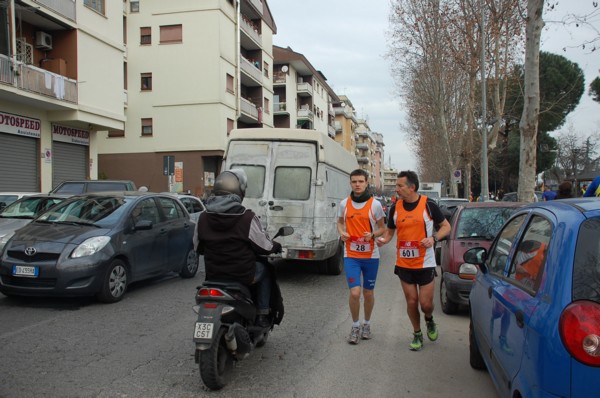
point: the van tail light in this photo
(579, 328)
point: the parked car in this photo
(384, 205)
(474, 224)
(535, 305)
(512, 197)
(87, 186)
(192, 204)
(22, 211)
(97, 244)
(7, 198)
(448, 205)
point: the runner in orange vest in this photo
(360, 221)
(414, 217)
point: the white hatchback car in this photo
(7, 198)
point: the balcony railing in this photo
(280, 107)
(66, 8)
(248, 108)
(258, 4)
(251, 69)
(279, 78)
(304, 88)
(362, 159)
(251, 31)
(331, 130)
(305, 114)
(36, 80)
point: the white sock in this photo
(365, 322)
(356, 324)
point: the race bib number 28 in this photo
(360, 246)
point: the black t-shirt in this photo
(432, 208)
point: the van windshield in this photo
(256, 179)
(292, 183)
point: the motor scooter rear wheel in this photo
(216, 363)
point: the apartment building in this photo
(194, 71)
(61, 82)
(366, 150)
(389, 181)
(378, 161)
(345, 123)
(302, 98)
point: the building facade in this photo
(194, 71)
(55, 94)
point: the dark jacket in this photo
(230, 236)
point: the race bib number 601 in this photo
(408, 249)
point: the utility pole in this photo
(485, 194)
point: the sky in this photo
(346, 40)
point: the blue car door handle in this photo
(520, 315)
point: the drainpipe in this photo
(238, 76)
(12, 39)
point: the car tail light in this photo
(205, 292)
(306, 254)
(579, 327)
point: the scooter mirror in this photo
(284, 231)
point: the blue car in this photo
(535, 304)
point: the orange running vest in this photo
(411, 228)
(358, 221)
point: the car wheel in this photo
(475, 358)
(115, 282)
(190, 267)
(448, 306)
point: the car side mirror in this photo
(143, 225)
(477, 256)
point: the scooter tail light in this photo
(209, 305)
(579, 328)
(207, 292)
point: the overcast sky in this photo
(346, 41)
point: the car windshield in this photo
(101, 211)
(482, 222)
(28, 207)
(586, 269)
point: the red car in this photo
(473, 225)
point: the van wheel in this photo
(334, 265)
(448, 306)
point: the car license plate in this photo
(22, 270)
(203, 330)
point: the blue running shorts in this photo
(355, 266)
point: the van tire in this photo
(334, 265)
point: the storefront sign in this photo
(20, 125)
(70, 134)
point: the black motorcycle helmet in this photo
(232, 181)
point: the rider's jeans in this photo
(262, 279)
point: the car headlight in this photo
(4, 240)
(90, 246)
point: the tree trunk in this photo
(529, 119)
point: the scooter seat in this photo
(229, 285)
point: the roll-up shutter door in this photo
(19, 171)
(69, 162)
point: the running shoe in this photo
(354, 335)
(365, 333)
(417, 342)
(432, 331)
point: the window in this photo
(116, 133)
(267, 105)
(229, 83)
(586, 268)
(96, 5)
(146, 81)
(171, 209)
(134, 6)
(230, 126)
(256, 179)
(145, 35)
(266, 69)
(498, 256)
(146, 126)
(530, 257)
(171, 34)
(292, 183)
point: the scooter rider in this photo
(230, 237)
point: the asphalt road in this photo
(142, 346)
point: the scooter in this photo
(226, 330)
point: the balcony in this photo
(65, 8)
(280, 108)
(251, 70)
(362, 159)
(252, 32)
(331, 131)
(258, 5)
(305, 114)
(338, 126)
(362, 146)
(279, 78)
(304, 89)
(249, 111)
(36, 80)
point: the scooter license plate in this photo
(203, 330)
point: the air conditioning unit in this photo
(43, 40)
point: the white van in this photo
(298, 178)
